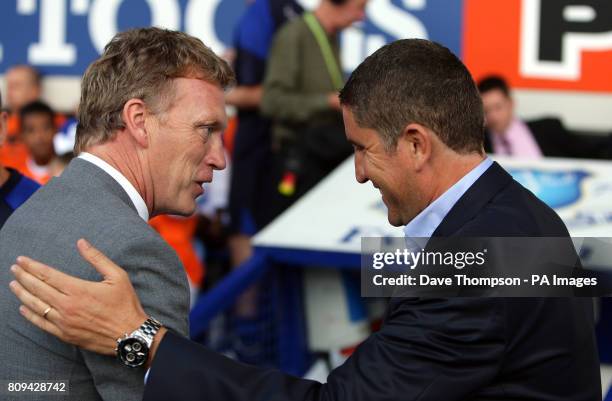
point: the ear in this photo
(418, 143)
(3, 122)
(134, 114)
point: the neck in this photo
(119, 154)
(450, 168)
(505, 130)
(325, 16)
(4, 176)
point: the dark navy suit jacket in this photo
(430, 349)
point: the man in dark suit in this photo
(414, 117)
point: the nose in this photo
(216, 156)
(360, 174)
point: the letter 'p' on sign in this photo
(555, 33)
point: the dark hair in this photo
(37, 107)
(493, 82)
(417, 81)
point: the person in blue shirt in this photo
(252, 40)
(250, 185)
(15, 189)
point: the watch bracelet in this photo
(149, 328)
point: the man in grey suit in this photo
(149, 134)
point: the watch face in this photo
(133, 352)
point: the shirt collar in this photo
(426, 222)
(135, 197)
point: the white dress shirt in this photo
(127, 186)
(426, 222)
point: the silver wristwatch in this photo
(133, 349)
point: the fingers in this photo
(106, 347)
(37, 287)
(55, 278)
(40, 321)
(31, 302)
(97, 259)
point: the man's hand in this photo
(89, 314)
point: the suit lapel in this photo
(490, 183)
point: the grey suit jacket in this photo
(85, 202)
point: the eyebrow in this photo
(215, 124)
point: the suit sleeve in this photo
(282, 98)
(159, 281)
(426, 350)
